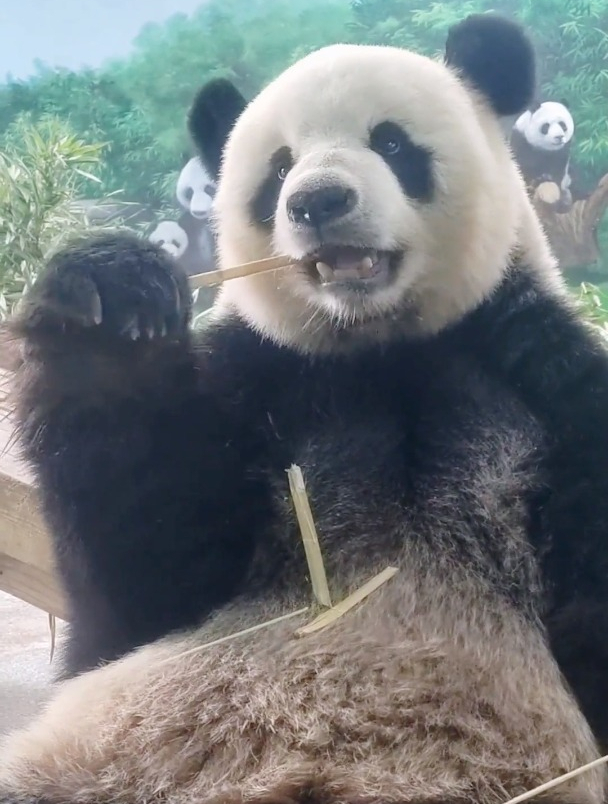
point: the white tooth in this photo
(325, 271)
(366, 263)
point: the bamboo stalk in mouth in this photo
(211, 278)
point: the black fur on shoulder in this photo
(213, 113)
(497, 58)
(538, 346)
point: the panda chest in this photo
(387, 464)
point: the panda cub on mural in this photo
(541, 139)
(420, 363)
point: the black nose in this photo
(317, 207)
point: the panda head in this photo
(548, 127)
(384, 174)
(195, 189)
(170, 236)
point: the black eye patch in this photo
(411, 164)
(264, 203)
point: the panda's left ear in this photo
(497, 58)
(213, 113)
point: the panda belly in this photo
(438, 688)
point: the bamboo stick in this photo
(309, 536)
(558, 780)
(211, 278)
(335, 612)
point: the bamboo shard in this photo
(309, 536)
(211, 278)
(335, 612)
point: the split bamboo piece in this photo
(309, 536)
(211, 278)
(335, 612)
(316, 568)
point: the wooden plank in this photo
(26, 554)
(23, 535)
(33, 585)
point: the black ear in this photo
(497, 58)
(213, 113)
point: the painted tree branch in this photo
(573, 234)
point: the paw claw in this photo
(97, 312)
(131, 329)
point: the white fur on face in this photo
(550, 127)
(171, 237)
(456, 248)
(195, 189)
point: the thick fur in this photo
(214, 111)
(440, 688)
(535, 342)
(491, 53)
(417, 412)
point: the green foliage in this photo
(594, 302)
(138, 105)
(42, 171)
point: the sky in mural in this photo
(75, 33)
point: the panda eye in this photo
(189, 193)
(386, 140)
(563, 125)
(544, 128)
(411, 164)
(282, 172)
(390, 147)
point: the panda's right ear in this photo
(213, 113)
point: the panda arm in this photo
(534, 341)
(140, 462)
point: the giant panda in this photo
(377, 364)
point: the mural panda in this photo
(195, 192)
(384, 362)
(541, 139)
(190, 240)
(170, 236)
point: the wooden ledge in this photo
(26, 555)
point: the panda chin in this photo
(353, 268)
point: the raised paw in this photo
(115, 283)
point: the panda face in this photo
(549, 128)
(385, 178)
(171, 237)
(195, 189)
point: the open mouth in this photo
(349, 265)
